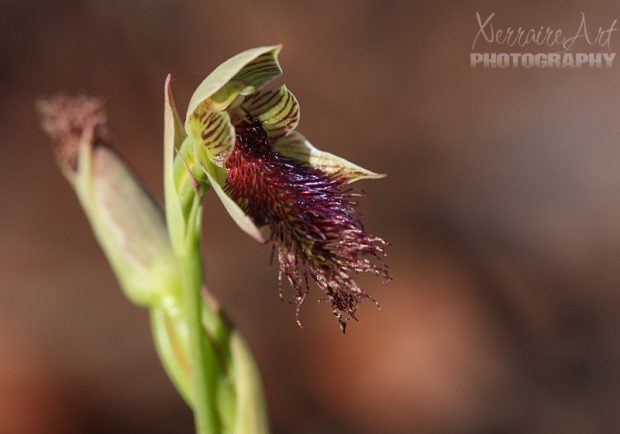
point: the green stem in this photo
(201, 355)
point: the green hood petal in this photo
(242, 74)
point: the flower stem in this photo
(201, 355)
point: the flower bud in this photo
(127, 222)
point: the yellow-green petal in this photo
(296, 146)
(277, 110)
(242, 74)
(214, 134)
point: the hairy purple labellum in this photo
(313, 217)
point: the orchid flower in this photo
(241, 138)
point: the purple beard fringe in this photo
(315, 225)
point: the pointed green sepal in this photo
(297, 147)
(174, 135)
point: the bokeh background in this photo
(502, 204)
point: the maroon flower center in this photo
(313, 218)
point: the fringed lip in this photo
(312, 217)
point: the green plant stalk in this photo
(201, 356)
(183, 200)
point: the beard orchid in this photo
(241, 137)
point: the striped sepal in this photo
(251, 77)
(259, 72)
(215, 134)
(296, 146)
(277, 110)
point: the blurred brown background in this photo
(502, 203)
